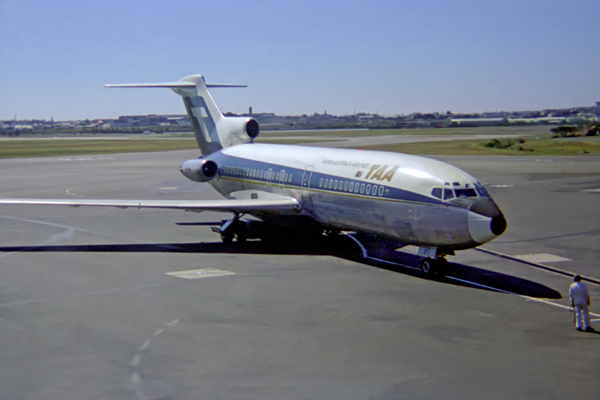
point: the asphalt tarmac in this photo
(89, 311)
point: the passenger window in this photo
(448, 194)
(321, 182)
(356, 188)
(437, 192)
(335, 185)
(362, 188)
(351, 187)
(346, 186)
(381, 189)
(330, 183)
(368, 189)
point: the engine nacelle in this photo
(240, 129)
(199, 170)
(252, 128)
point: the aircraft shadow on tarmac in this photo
(378, 254)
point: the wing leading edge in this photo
(279, 205)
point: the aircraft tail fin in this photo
(213, 130)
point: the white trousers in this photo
(581, 310)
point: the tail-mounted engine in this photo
(251, 128)
(239, 130)
(199, 170)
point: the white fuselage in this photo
(412, 199)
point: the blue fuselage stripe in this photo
(237, 168)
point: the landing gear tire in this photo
(241, 232)
(227, 237)
(442, 265)
(238, 231)
(428, 266)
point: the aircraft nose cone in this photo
(498, 224)
(486, 221)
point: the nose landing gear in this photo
(434, 261)
(430, 266)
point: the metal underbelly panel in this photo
(410, 223)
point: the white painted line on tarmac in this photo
(549, 302)
(145, 345)
(537, 265)
(199, 273)
(478, 284)
(136, 360)
(541, 258)
(136, 378)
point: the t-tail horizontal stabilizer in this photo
(213, 131)
(171, 85)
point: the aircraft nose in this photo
(486, 221)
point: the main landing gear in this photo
(233, 229)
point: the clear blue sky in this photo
(391, 57)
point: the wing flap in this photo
(280, 205)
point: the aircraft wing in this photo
(280, 205)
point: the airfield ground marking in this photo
(69, 230)
(136, 379)
(478, 284)
(528, 298)
(538, 265)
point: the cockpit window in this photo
(448, 194)
(465, 192)
(481, 189)
(437, 192)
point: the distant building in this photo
(478, 121)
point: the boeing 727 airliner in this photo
(409, 199)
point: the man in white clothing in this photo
(580, 300)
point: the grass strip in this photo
(539, 147)
(69, 147)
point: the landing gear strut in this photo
(434, 261)
(233, 229)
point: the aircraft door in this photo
(282, 178)
(306, 176)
